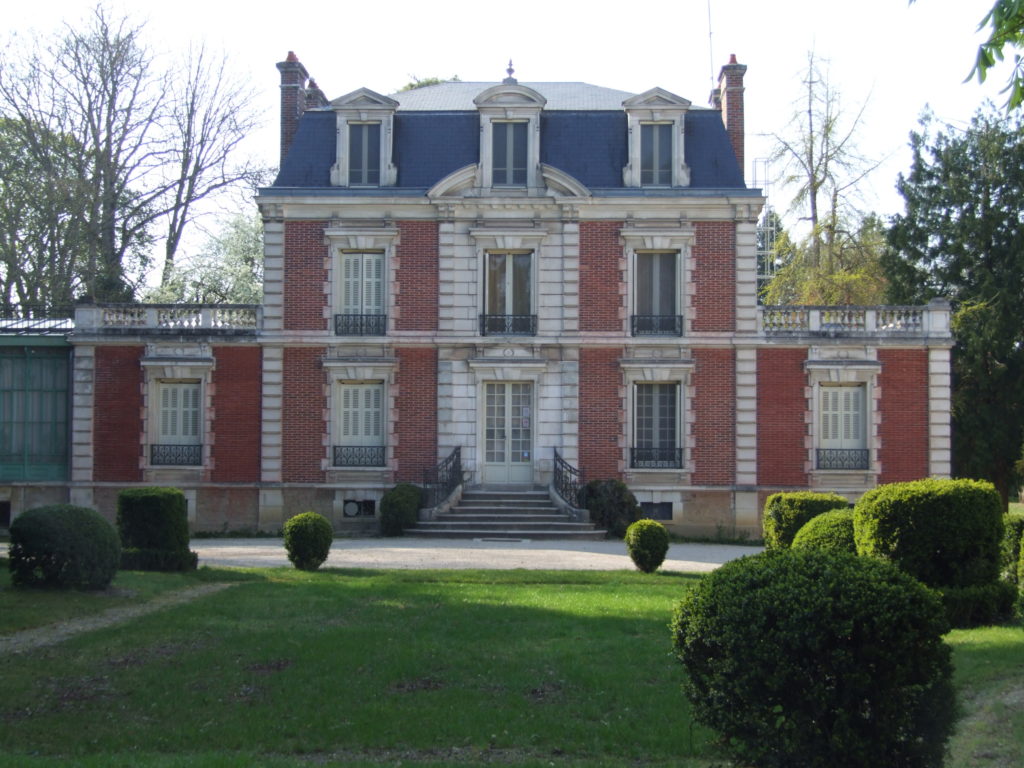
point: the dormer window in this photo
(509, 151)
(657, 122)
(364, 154)
(365, 121)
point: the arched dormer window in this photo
(365, 122)
(657, 157)
(509, 138)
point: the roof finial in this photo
(510, 80)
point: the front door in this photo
(508, 433)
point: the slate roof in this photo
(582, 128)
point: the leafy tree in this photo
(227, 269)
(837, 261)
(148, 142)
(962, 236)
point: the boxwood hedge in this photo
(63, 545)
(787, 513)
(829, 531)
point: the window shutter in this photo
(842, 417)
(351, 284)
(180, 417)
(373, 284)
(362, 414)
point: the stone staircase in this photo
(508, 515)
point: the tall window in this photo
(33, 413)
(656, 427)
(364, 154)
(360, 427)
(508, 295)
(656, 154)
(842, 438)
(180, 428)
(361, 292)
(656, 296)
(509, 153)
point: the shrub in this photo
(1009, 552)
(786, 513)
(398, 508)
(168, 560)
(611, 504)
(307, 539)
(946, 533)
(829, 532)
(152, 518)
(979, 605)
(818, 659)
(65, 546)
(647, 544)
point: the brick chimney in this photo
(728, 97)
(293, 98)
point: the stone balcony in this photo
(169, 319)
(898, 322)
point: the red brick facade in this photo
(416, 294)
(304, 276)
(781, 417)
(903, 432)
(117, 414)
(600, 413)
(601, 278)
(714, 417)
(714, 276)
(237, 388)
(416, 422)
(302, 421)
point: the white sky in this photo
(902, 57)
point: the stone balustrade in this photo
(121, 318)
(930, 320)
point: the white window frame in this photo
(510, 286)
(660, 131)
(342, 370)
(656, 107)
(171, 366)
(640, 366)
(367, 162)
(640, 291)
(360, 425)
(345, 240)
(509, 241)
(362, 107)
(361, 288)
(638, 240)
(509, 103)
(657, 425)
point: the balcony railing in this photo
(842, 458)
(360, 325)
(656, 458)
(36, 320)
(898, 321)
(360, 456)
(178, 318)
(163, 454)
(508, 325)
(656, 325)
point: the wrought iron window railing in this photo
(567, 481)
(440, 481)
(508, 325)
(656, 325)
(360, 455)
(163, 454)
(843, 458)
(360, 325)
(656, 458)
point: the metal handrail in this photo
(439, 482)
(567, 481)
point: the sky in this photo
(886, 57)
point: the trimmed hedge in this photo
(398, 508)
(1010, 549)
(153, 518)
(979, 605)
(647, 544)
(611, 504)
(307, 539)
(787, 513)
(945, 533)
(829, 532)
(819, 660)
(153, 526)
(63, 545)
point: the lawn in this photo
(412, 668)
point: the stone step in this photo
(475, 516)
(503, 535)
(510, 525)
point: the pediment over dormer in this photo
(656, 98)
(364, 98)
(510, 95)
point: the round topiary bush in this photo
(819, 660)
(611, 504)
(65, 546)
(307, 539)
(399, 507)
(787, 513)
(647, 544)
(829, 532)
(945, 533)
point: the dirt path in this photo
(52, 634)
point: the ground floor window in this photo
(656, 442)
(179, 440)
(360, 427)
(842, 436)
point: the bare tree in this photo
(150, 142)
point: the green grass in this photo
(412, 668)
